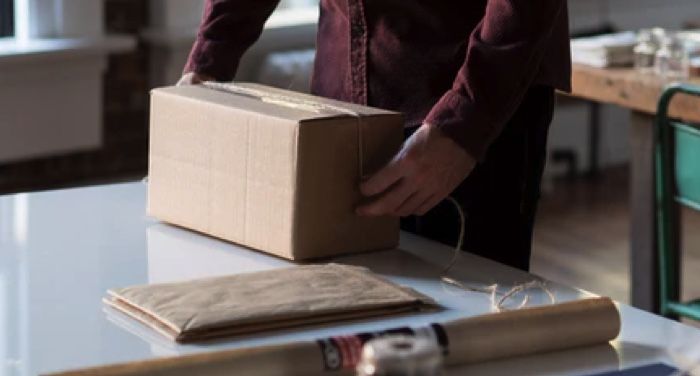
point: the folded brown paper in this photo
(270, 169)
(526, 331)
(272, 299)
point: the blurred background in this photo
(75, 77)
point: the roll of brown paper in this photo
(513, 333)
(532, 330)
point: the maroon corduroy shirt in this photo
(460, 65)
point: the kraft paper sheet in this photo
(272, 299)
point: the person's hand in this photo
(192, 78)
(428, 168)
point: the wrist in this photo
(436, 132)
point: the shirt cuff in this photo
(458, 118)
(214, 59)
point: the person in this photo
(475, 80)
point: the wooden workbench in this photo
(627, 88)
(640, 93)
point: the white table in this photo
(61, 250)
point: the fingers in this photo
(383, 179)
(187, 79)
(428, 204)
(389, 202)
(192, 78)
(411, 205)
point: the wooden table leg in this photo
(643, 259)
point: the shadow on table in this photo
(395, 262)
(175, 254)
(583, 361)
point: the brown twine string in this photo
(497, 304)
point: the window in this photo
(291, 4)
(7, 18)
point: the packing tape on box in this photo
(493, 336)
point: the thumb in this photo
(192, 78)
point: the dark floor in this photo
(582, 237)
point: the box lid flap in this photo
(271, 101)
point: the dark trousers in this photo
(500, 196)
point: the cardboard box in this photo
(270, 169)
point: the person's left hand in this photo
(428, 168)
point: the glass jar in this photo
(658, 33)
(645, 51)
(671, 62)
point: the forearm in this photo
(227, 30)
(503, 58)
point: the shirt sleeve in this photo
(227, 30)
(503, 57)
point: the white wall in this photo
(632, 14)
(183, 15)
(51, 79)
(635, 14)
(59, 18)
(49, 108)
(80, 18)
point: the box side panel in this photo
(177, 183)
(270, 184)
(222, 172)
(328, 186)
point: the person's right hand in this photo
(192, 78)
